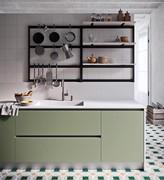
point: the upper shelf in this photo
(109, 23)
(108, 44)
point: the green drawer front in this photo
(7, 141)
(58, 123)
(123, 136)
(58, 150)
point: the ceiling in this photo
(78, 6)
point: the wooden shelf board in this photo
(109, 64)
(108, 43)
(108, 23)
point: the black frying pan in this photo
(38, 37)
(54, 37)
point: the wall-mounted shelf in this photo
(109, 65)
(109, 23)
(108, 80)
(104, 44)
(70, 68)
(108, 44)
(88, 72)
(55, 46)
(54, 66)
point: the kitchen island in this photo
(108, 134)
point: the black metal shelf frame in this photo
(108, 80)
(56, 46)
(66, 80)
(109, 66)
(52, 46)
(81, 46)
(105, 26)
(108, 46)
(54, 66)
(132, 46)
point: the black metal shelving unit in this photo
(111, 45)
(81, 46)
(56, 46)
(38, 27)
(108, 46)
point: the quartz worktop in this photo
(52, 104)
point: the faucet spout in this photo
(62, 84)
(64, 94)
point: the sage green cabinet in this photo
(65, 136)
(123, 136)
(73, 136)
(58, 150)
(58, 123)
(7, 139)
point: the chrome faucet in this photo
(62, 85)
(63, 90)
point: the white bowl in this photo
(23, 98)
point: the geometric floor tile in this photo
(154, 166)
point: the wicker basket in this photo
(155, 116)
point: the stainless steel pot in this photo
(54, 54)
(70, 36)
(39, 50)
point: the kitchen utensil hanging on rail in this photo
(67, 51)
(56, 83)
(54, 36)
(70, 36)
(54, 54)
(42, 78)
(49, 76)
(38, 38)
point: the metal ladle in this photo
(56, 83)
(42, 79)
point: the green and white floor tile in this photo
(154, 166)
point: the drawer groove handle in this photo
(65, 136)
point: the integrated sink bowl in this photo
(54, 103)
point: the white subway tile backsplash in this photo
(11, 19)
(10, 31)
(2, 53)
(11, 53)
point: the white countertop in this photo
(52, 104)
